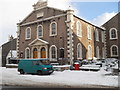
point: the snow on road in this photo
(69, 78)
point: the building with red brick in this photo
(58, 35)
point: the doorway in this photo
(35, 53)
(43, 52)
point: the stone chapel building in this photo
(112, 34)
(59, 36)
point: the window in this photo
(53, 52)
(21, 54)
(28, 33)
(79, 30)
(40, 14)
(89, 32)
(53, 29)
(113, 33)
(114, 50)
(61, 52)
(103, 53)
(27, 53)
(97, 52)
(40, 31)
(79, 51)
(97, 35)
(103, 36)
(89, 52)
(36, 62)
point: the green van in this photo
(35, 66)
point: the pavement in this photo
(49, 85)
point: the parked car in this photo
(35, 66)
(99, 63)
(78, 61)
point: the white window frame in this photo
(79, 29)
(110, 33)
(51, 59)
(103, 36)
(51, 29)
(26, 52)
(89, 52)
(79, 45)
(89, 32)
(97, 35)
(38, 32)
(112, 52)
(26, 33)
(97, 52)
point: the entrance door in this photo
(43, 52)
(35, 53)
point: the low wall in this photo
(11, 65)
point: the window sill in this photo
(27, 38)
(97, 40)
(113, 38)
(53, 35)
(40, 37)
(89, 38)
(79, 36)
(114, 55)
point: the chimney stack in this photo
(11, 37)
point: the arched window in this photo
(79, 29)
(114, 50)
(28, 33)
(35, 53)
(97, 52)
(53, 29)
(53, 52)
(89, 32)
(79, 51)
(27, 52)
(40, 31)
(113, 33)
(89, 52)
(103, 36)
(97, 35)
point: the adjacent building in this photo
(0, 56)
(6, 49)
(112, 35)
(58, 35)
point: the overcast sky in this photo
(13, 11)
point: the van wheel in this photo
(39, 72)
(21, 71)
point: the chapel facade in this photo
(59, 35)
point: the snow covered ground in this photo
(67, 78)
